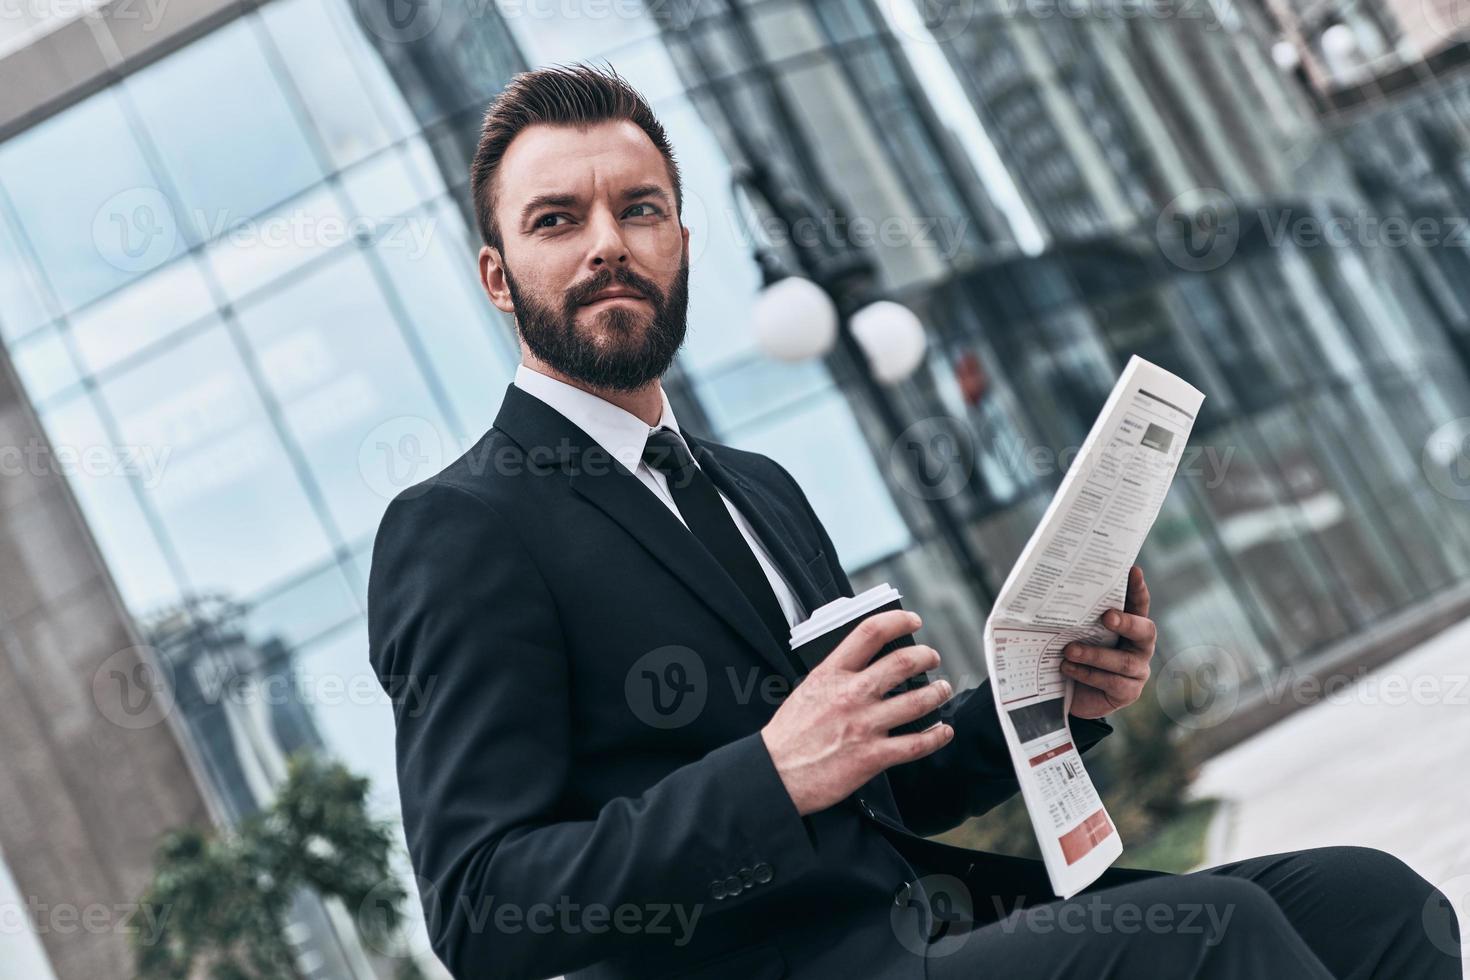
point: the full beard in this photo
(631, 355)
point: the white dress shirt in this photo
(624, 435)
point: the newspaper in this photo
(1075, 568)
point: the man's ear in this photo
(492, 280)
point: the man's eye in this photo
(538, 223)
(653, 209)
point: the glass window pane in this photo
(140, 313)
(383, 187)
(251, 257)
(736, 396)
(470, 343)
(343, 93)
(100, 479)
(96, 220)
(228, 137)
(24, 302)
(44, 364)
(303, 610)
(334, 359)
(228, 496)
(825, 451)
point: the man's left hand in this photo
(1109, 678)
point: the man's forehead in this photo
(559, 159)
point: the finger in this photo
(892, 712)
(869, 636)
(1136, 601)
(1129, 663)
(887, 672)
(1139, 629)
(1118, 689)
(897, 749)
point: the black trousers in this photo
(1344, 912)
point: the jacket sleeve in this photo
(459, 613)
(973, 773)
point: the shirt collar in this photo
(619, 432)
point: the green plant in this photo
(222, 898)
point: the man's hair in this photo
(574, 95)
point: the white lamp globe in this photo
(892, 337)
(794, 319)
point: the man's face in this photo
(581, 212)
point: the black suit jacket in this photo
(583, 782)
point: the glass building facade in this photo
(238, 284)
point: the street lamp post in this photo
(883, 340)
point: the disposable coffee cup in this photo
(817, 636)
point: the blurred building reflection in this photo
(236, 278)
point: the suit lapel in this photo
(612, 488)
(752, 501)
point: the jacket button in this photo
(902, 892)
(733, 885)
(717, 888)
(763, 873)
(747, 878)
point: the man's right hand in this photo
(830, 736)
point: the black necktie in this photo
(704, 511)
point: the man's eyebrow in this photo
(569, 200)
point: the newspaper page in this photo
(1075, 568)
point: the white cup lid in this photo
(843, 609)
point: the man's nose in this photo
(608, 245)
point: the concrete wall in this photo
(91, 772)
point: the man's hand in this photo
(1109, 678)
(831, 734)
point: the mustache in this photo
(581, 294)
